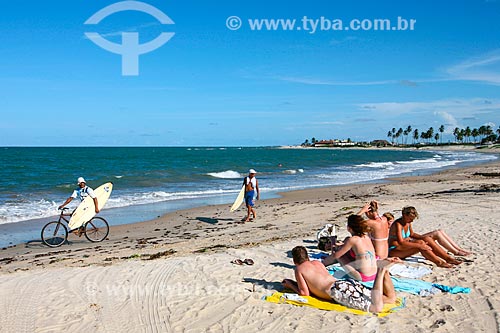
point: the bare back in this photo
(316, 278)
(365, 261)
(379, 236)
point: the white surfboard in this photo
(86, 210)
(239, 199)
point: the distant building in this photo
(380, 143)
(334, 143)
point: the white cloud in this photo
(328, 123)
(484, 68)
(314, 81)
(450, 121)
(457, 108)
(451, 113)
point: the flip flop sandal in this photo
(248, 261)
(237, 262)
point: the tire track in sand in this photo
(131, 300)
(156, 282)
(20, 299)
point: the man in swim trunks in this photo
(312, 278)
(251, 188)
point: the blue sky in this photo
(212, 86)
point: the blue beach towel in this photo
(452, 290)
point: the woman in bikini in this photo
(404, 242)
(389, 217)
(379, 227)
(356, 254)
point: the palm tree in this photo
(408, 131)
(398, 134)
(468, 133)
(415, 135)
(456, 131)
(489, 130)
(441, 130)
(475, 134)
(436, 137)
(430, 133)
(423, 135)
(462, 135)
(482, 132)
(389, 135)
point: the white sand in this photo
(92, 290)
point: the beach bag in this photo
(323, 242)
(325, 235)
(327, 231)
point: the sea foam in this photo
(228, 174)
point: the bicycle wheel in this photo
(97, 229)
(54, 234)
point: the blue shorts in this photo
(249, 198)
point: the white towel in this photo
(294, 297)
(410, 272)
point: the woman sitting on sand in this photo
(379, 228)
(356, 254)
(389, 217)
(404, 242)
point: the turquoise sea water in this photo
(151, 181)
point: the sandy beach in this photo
(174, 274)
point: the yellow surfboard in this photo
(86, 210)
(239, 199)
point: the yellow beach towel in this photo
(278, 297)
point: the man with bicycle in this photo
(81, 193)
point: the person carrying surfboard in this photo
(251, 187)
(81, 193)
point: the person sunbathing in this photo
(356, 254)
(312, 278)
(404, 242)
(379, 227)
(389, 217)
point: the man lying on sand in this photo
(313, 279)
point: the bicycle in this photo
(55, 233)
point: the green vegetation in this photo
(402, 137)
(483, 134)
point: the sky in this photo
(219, 81)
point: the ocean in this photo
(149, 182)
